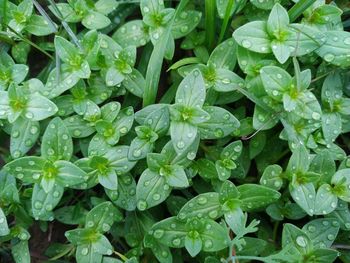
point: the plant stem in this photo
(156, 60)
(29, 42)
(124, 258)
(210, 23)
(226, 20)
(299, 8)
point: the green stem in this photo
(156, 61)
(29, 42)
(247, 257)
(226, 20)
(299, 8)
(275, 229)
(124, 258)
(210, 23)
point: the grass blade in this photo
(156, 61)
(226, 20)
(45, 15)
(299, 8)
(210, 22)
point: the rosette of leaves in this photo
(51, 172)
(278, 36)
(89, 241)
(23, 19)
(156, 20)
(92, 14)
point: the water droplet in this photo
(142, 205)
(191, 155)
(158, 233)
(275, 93)
(184, 29)
(29, 115)
(208, 243)
(180, 144)
(246, 43)
(176, 242)
(226, 81)
(106, 227)
(48, 207)
(301, 241)
(136, 153)
(347, 41)
(156, 197)
(311, 228)
(330, 237)
(202, 200)
(218, 133)
(15, 134)
(77, 132)
(315, 115)
(84, 251)
(213, 214)
(38, 205)
(329, 57)
(325, 223)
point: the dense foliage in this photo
(176, 131)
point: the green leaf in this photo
(39, 108)
(108, 179)
(132, 33)
(324, 255)
(38, 26)
(43, 203)
(161, 251)
(255, 196)
(4, 229)
(193, 245)
(95, 20)
(106, 6)
(78, 127)
(182, 134)
(325, 201)
(135, 83)
(204, 205)
(331, 126)
(125, 196)
(297, 239)
(278, 20)
(191, 91)
(87, 254)
(57, 143)
(24, 134)
(66, 50)
(336, 48)
(28, 169)
(272, 177)
(170, 232)
(220, 124)
(152, 189)
(20, 252)
(253, 36)
(276, 81)
(322, 232)
(118, 159)
(215, 237)
(227, 81)
(341, 182)
(102, 217)
(304, 195)
(185, 22)
(224, 55)
(68, 174)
